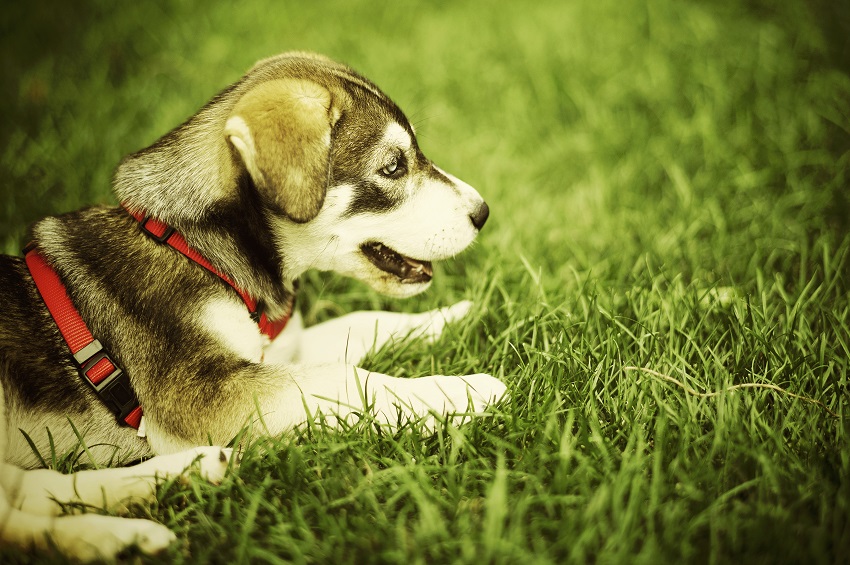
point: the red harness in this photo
(94, 363)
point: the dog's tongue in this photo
(407, 269)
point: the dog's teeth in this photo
(405, 268)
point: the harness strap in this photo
(94, 363)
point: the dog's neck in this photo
(191, 180)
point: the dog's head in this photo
(339, 167)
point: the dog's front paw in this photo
(483, 390)
(212, 463)
(443, 395)
(90, 536)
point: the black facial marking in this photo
(369, 198)
(435, 173)
(243, 219)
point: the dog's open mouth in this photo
(407, 269)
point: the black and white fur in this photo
(302, 164)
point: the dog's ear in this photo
(282, 131)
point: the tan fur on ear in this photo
(282, 131)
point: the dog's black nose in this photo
(479, 217)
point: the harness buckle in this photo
(169, 230)
(115, 390)
(258, 312)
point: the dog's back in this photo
(42, 387)
(33, 370)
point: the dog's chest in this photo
(230, 324)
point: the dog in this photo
(185, 296)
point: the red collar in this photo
(163, 233)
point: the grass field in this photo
(663, 283)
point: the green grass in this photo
(670, 200)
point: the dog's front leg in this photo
(288, 395)
(41, 491)
(84, 537)
(30, 504)
(346, 392)
(349, 338)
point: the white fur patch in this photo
(231, 323)
(240, 136)
(396, 136)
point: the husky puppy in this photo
(185, 293)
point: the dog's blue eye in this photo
(390, 169)
(394, 169)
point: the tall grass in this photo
(669, 194)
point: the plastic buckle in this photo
(115, 390)
(159, 238)
(258, 312)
